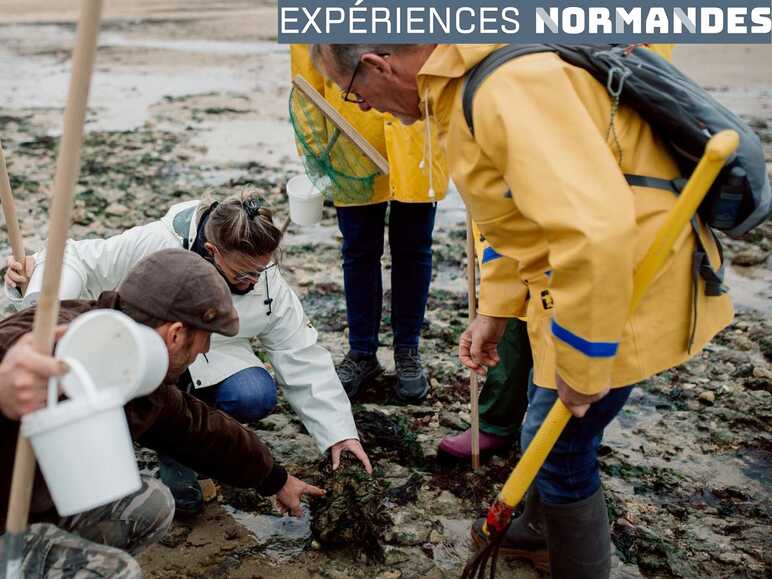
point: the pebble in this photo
(116, 209)
(444, 504)
(275, 422)
(454, 421)
(395, 555)
(208, 489)
(707, 397)
(750, 257)
(762, 373)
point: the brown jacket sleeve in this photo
(207, 440)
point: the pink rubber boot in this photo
(460, 445)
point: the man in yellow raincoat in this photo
(544, 179)
(414, 160)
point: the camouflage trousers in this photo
(100, 542)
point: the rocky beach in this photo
(190, 99)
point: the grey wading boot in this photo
(355, 370)
(183, 483)
(526, 536)
(578, 538)
(412, 385)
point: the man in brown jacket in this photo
(184, 299)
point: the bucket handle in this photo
(82, 375)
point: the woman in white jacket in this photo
(239, 238)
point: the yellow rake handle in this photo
(717, 151)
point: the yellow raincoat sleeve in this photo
(502, 293)
(563, 176)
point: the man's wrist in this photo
(275, 480)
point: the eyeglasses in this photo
(352, 97)
(252, 276)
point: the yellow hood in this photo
(441, 73)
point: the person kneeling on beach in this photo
(238, 237)
(185, 300)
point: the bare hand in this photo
(576, 402)
(353, 446)
(24, 374)
(15, 275)
(288, 498)
(477, 345)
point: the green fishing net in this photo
(333, 163)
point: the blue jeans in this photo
(247, 396)
(410, 241)
(571, 471)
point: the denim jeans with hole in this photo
(410, 242)
(571, 472)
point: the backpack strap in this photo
(675, 186)
(713, 278)
(701, 268)
(487, 66)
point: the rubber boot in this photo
(526, 536)
(460, 445)
(578, 539)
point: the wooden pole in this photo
(341, 124)
(67, 169)
(471, 265)
(9, 210)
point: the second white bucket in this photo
(83, 447)
(305, 201)
(117, 352)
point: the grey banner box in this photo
(513, 22)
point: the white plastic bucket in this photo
(70, 285)
(83, 446)
(118, 353)
(305, 201)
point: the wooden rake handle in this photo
(474, 384)
(717, 151)
(67, 169)
(9, 210)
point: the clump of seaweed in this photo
(388, 438)
(353, 512)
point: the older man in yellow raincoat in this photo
(415, 159)
(544, 180)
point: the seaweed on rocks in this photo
(408, 492)
(353, 512)
(388, 437)
(247, 500)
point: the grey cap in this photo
(177, 285)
